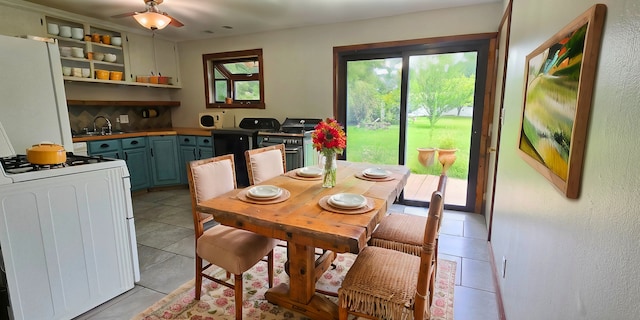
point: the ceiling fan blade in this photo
(122, 15)
(174, 22)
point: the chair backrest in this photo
(427, 259)
(209, 178)
(442, 186)
(265, 163)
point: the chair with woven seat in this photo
(401, 231)
(388, 284)
(265, 163)
(231, 249)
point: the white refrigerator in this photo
(67, 233)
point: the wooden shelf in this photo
(123, 103)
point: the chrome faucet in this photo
(108, 131)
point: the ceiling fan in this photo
(152, 18)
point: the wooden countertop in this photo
(148, 133)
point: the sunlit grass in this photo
(381, 145)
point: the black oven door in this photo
(236, 142)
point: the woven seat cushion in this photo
(401, 232)
(381, 283)
(232, 249)
(266, 165)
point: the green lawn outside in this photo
(381, 145)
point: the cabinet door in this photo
(138, 164)
(164, 160)
(167, 60)
(141, 56)
(15, 22)
(187, 153)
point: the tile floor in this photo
(164, 231)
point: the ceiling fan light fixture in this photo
(152, 20)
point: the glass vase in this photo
(329, 170)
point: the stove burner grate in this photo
(19, 163)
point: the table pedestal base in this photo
(319, 307)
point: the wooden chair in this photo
(232, 249)
(401, 231)
(265, 163)
(404, 232)
(389, 284)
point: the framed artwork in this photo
(560, 75)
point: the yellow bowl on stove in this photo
(102, 74)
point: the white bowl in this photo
(53, 29)
(110, 57)
(66, 71)
(77, 33)
(65, 31)
(116, 41)
(98, 56)
(65, 51)
(86, 72)
(77, 52)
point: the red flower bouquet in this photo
(329, 136)
(329, 139)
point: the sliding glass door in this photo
(413, 105)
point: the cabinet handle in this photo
(126, 156)
(186, 140)
(118, 155)
(194, 153)
(104, 145)
(206, 140)
(151, 151)
(134, 142)
(199, 154)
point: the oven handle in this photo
(286, 149)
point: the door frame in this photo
(339, 98)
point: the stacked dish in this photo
(375, 173)
(309, 172)
(264, 192)
(347, 201)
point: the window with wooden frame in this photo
(234, 79)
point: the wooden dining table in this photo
(305, 225)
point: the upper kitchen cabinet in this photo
(152, 60)
(88, 53)
(18, 22)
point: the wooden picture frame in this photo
(560, 76)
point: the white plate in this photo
(264, 192)
(377, 173)
(310, 172)
(347, 201)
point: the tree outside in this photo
(439, 87)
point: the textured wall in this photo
(574, 259)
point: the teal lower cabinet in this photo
(193, 148)
(165, 163)
(136, 154)
(106, 148)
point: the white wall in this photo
(298, 63)
(574, 259)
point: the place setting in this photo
(264, 194)
(374, 174)
(306, 173)
(346, 203)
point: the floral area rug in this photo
(217, 301)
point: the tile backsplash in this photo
(82, 117)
